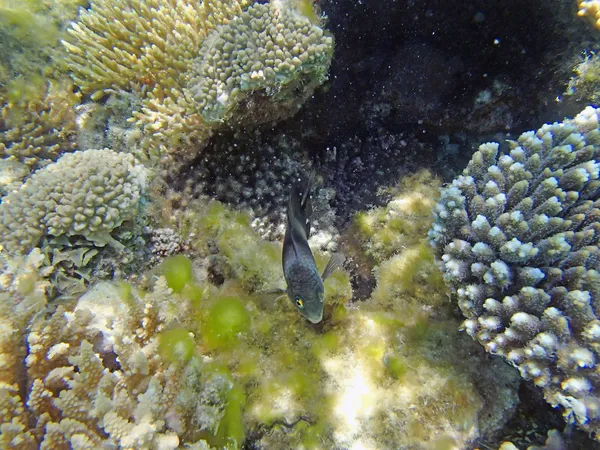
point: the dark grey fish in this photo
(304, 284)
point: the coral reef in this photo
(164, 38)
(517, 234)
(83, 194)
(146, 47)
(36, 129)
(261, 66)
(176, 360)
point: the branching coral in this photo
(142, 43)
(37, 129)
(153, 368)
(591, 10)
(150, 48)
(87, 194)
(146, 46)
(261, 65)
(518, 237)
(94, 378)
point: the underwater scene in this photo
(300, 224)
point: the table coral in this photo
(517, 234)
(87, 194)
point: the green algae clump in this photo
(176, 345)
(178, 272)
(223, 321)
(231, 432)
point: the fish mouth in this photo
(315, 319)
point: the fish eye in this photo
(299, 302)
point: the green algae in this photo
(178, 272)
(176, 345)
(224, 320)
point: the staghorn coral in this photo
(23, 288)
(518, 237)
(39, 128)
(147, 47)
(260, 66)
(131, 42)
(93, 376)
(87, 194)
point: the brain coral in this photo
(271, 48)
(86, 194)
(518, 237)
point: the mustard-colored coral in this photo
(402, 223)
(146, 46)
(37, 127)
(589, 9)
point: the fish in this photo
(305, 286)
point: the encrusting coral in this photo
(518, 237)
(83, 194)
(261, 65)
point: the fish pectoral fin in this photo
(335, 262)
(274, 294)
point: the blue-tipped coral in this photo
(518, 237)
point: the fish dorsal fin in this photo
(335, 262)
(306, 203)
(306, 194)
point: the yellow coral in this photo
(147, 46)
(39, 125)
(591, 10)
